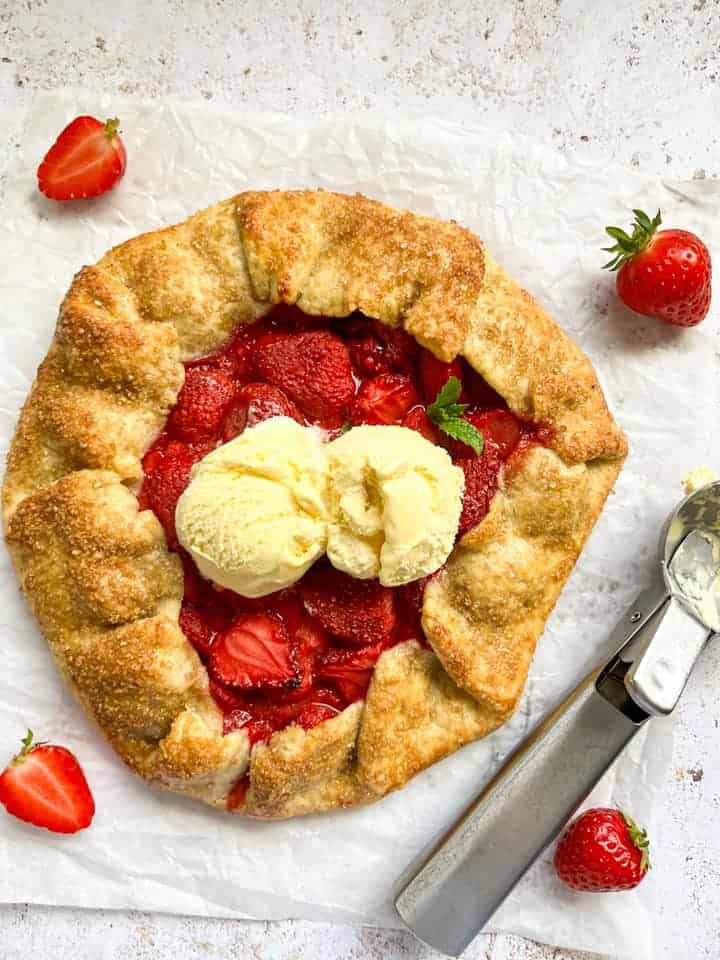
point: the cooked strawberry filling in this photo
(304, 654)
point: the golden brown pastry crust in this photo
(105, 589)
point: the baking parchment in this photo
(543, 217)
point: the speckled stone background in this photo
(635, 82)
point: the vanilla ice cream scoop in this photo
(254, 516)
(395, 501)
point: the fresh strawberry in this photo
(350, 670)
(434, 374)
(313, 368)
(665, 274)
(87, 159)
(384, 399)
(195, 628)
(201, 404)
(254, 653)
(236, 797)
(481, 476)
(357, 611)
(314, 714)
(165, 482)
(257, 402)
(418, 420)
(500, 429)
(44, 785)
(602, 850)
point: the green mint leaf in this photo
(446, 404)
(465, 432)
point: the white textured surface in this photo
(640, 84)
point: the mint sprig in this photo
(446, 413)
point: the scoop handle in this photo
(665, 659)
(469, 875)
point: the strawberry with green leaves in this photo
(602, 850)
(661, 273)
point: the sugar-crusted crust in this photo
(105, 589)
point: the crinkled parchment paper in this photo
(543, 218)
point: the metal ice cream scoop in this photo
(473, 869)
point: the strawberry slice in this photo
(350, 671)
(357, 611)
(481, 479)
(227, 698)
(45, 785)
(306, 632)
(383, 400)
(314, 714)
(165, 481)
(434, 374)
(254, 653)
(257, 402)
(313, 368)
(87, 159)
(418, 420)
(500, 429)
(196, 629)
(201, 404)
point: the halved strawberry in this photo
(254, 654)
(357, 611)
(87, 159)
(196, 629)
(419, 421)
(481, 478)
(45, 785)
(257, 402)
(201, 404)
(313, 368)
(384, 400)
(434, 374)
(501, 431)
(165, 482)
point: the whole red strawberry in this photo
(602, 850)
(44, 785)
(87, 159)
(665, 274)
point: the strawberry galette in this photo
(294, 493)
